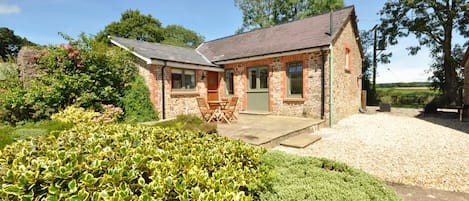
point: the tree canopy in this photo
(265, 13)
(135, 25)
(180, 36)
(10, 44)
(433, 22)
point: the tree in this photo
(368, 42)
(136, 26)
(265, 13)
(433, 22)
(10, 44)
(180, 36)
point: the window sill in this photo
(184, 93)
(294, 99)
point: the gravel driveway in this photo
(399, 148)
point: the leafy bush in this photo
(75, 115)
(190, 122)
(124, 162)
(308, 178)
(85, 72)
(136, 103)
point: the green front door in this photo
(258, 89)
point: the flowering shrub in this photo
(82, 72)
(110, 114)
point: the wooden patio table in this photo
(219, 114)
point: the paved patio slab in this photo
(267, 130)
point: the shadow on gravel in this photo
(415, 193)
(447, 119)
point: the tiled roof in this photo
(161, 51)
(302, 34)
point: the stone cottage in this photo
(298, 68)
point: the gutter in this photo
(323, 97)
(163, 104)
(331, 49)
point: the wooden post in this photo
(363, 100)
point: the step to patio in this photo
(254, 113)
(311, 128)
(301, 141)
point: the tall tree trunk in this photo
(450, 88)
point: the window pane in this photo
(253, 77)
(295, 79)
(229, 82)
(189, 81)
(263, 78)
(176, 81)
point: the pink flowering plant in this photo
(109, 114)
(83, 72)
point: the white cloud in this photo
(9, 9)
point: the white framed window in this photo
(348, 59)
(295, 80)
(229, 83)
(183, 79)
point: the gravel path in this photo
(399, 148)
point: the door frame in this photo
(258, 93)
(212, 75)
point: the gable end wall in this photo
(346, 84)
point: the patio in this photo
(268, 130)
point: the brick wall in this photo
(346, 88)
(346, 84)
(176, 103)
(279, 103)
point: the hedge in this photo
(124, 162)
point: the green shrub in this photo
(136, 103)
(190, 122)
(83, 72)
(125, 162)
(75, 115)
(308, 178)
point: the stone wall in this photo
(279, 103)
(346, 83)
(176, 102)
(27, 63)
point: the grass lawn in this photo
(9, 134)
(308, 178)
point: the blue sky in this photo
(41, 20)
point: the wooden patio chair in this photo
(205, 111)
(230, 108)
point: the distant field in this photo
(407, 96)
(412, 88)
